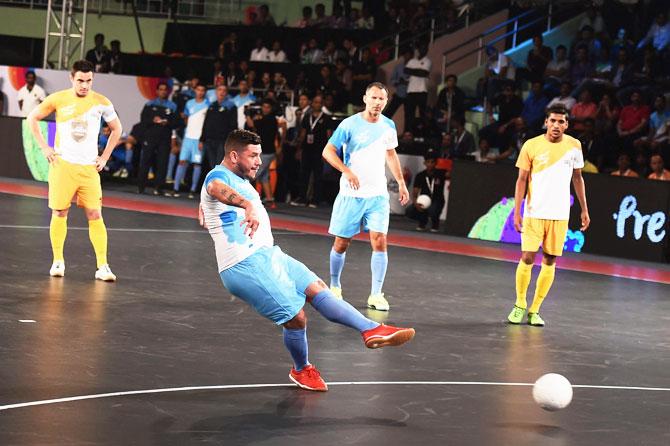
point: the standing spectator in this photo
(306, 21)
(264, 18)
(564, 98)
(266, 82)
(499, 70)
(259, 53)
(99, 55)
(534, 105)
(658, 172)
(159, 118)
(311, 53)
(191, 147)
(115, 57)
(266, 126)
(220, 120)
(241, 100)
(30, 95)
(658, 35)
(232, 47)
(451, 100)
(399, 80)
(429, 181)
(338, 20)
(538, 59)
(277, 54)
(418, 69)
(658, 125)
(315, 131)
(623, 167)
(463, 141)
(633, 120)
(233, 74)
(211, 93)
(352, 53)
(327, 83)
(321, 20)
(364, 73)
(582, 110)
(344, 77)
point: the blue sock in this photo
(181, 173)
(340, 311)
(171, 163)
(196, 176)
(296, 343)
(378, 263)
(336, 266)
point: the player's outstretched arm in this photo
(34, 118)
(519, 195)
(580, 191)
(330, 154)
(228, 195)
(396, 169)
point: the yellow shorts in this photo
(67, 180)
(548, 233)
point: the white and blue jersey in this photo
(232, 245)
(364, 145)
(195, 112)
(254, 270)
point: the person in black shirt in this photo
(428, 182)
(159, 117)
(451, 100)
(315, 131)
(364, 72)
(510, 107)
(99, 55)
(220, 120)
(266, 126)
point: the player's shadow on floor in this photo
(545, 430)
(290, 418)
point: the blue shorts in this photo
(190, 152)
(349, 213)
(263, 174)
(272, 282)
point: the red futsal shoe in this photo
(308, 378)
(386, 335)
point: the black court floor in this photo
(165, 356)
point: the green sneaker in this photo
(535, 320)
(516, 316)
(378, 302)
(337, 292)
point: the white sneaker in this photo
(105, 273)
(57, 269)
(337, 292)
(378, 302)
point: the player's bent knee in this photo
(341, 244)
(93, 214)
(60, 212)
(549, 259)
(298, 322)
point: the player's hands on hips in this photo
(518, 223)
(586, 220)
(250, 220)
(404, 194)
(352, 179)
(100, 163)
(50, 154)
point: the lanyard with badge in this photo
(430, 182)
(312, 123)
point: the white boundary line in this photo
(343, 383)
(177, 231)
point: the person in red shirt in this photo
(582, 110)
(658, 172)
(633, 120)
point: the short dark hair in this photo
(239, 139)
(561, 47)
(82, 65)
(158, 85)
(557, 109)
(377, 85)
(30, 72)
(452, 76)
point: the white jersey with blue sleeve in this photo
(232, 245)
(364, 145)
(195, 111)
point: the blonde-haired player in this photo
(546, 163)
(74, 162)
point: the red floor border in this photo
(614, 269)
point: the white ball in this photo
(552, 392)
(423, 201)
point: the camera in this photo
(252, 110)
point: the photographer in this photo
(265, 124)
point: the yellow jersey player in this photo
(546, 164)
(74, 162)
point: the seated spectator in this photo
(327, 83)
(252, 81)
(558, 70)
(451, 100)
(592, 44)
(99, 54)
(232, 75)
(338, 20)
(344, 76)
(306, 20)
(264, 18)
(622, 42)
(658, 172)
(659, 34)
(534, 106)
(519, 134)
(352, 54)
(463, 141)
(406, 142)
(365, 21)
(280, 85)
(509, 108)
(331, 53)
(622, 70)
(429, 181)
(658, 124)
(244, 68)
(641, 165)
(582, 110)
(583, 68)
(321, 20)
(363, 73)
(623, 167)
(276, 54)
(648, 69)
(115, 57)
(259, 53)
(607, 114)
(311, 53)
(538, 59)
(499, 71)
(484, 152)
(564, 98)
(633, 120)
(594, 20)
(593, 146)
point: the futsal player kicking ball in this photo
(368, 140)
(74, 162)
(272, 282)
(547, 163)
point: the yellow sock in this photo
(523, 274)
(544, 281)
(97, 232)
(57, 234)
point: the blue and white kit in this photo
(195, 111)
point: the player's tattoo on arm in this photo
(226, 194)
